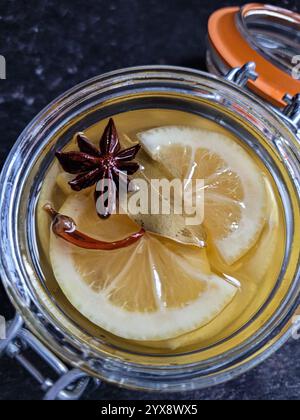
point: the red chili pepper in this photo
(65, 228)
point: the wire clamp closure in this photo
(292, 110)
(240, 76)
(71, 383)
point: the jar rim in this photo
(12, 269)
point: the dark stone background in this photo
(51, 45)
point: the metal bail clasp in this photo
(71, 383)
(241, 75)
(292, 110)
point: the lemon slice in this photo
(235, 193)
(153, 290)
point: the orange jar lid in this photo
(267, 35)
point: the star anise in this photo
(107, 165)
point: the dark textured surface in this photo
(51, 45)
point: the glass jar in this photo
(270, 134)
(267, 35)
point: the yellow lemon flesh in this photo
(234, 190)
(153, 290)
